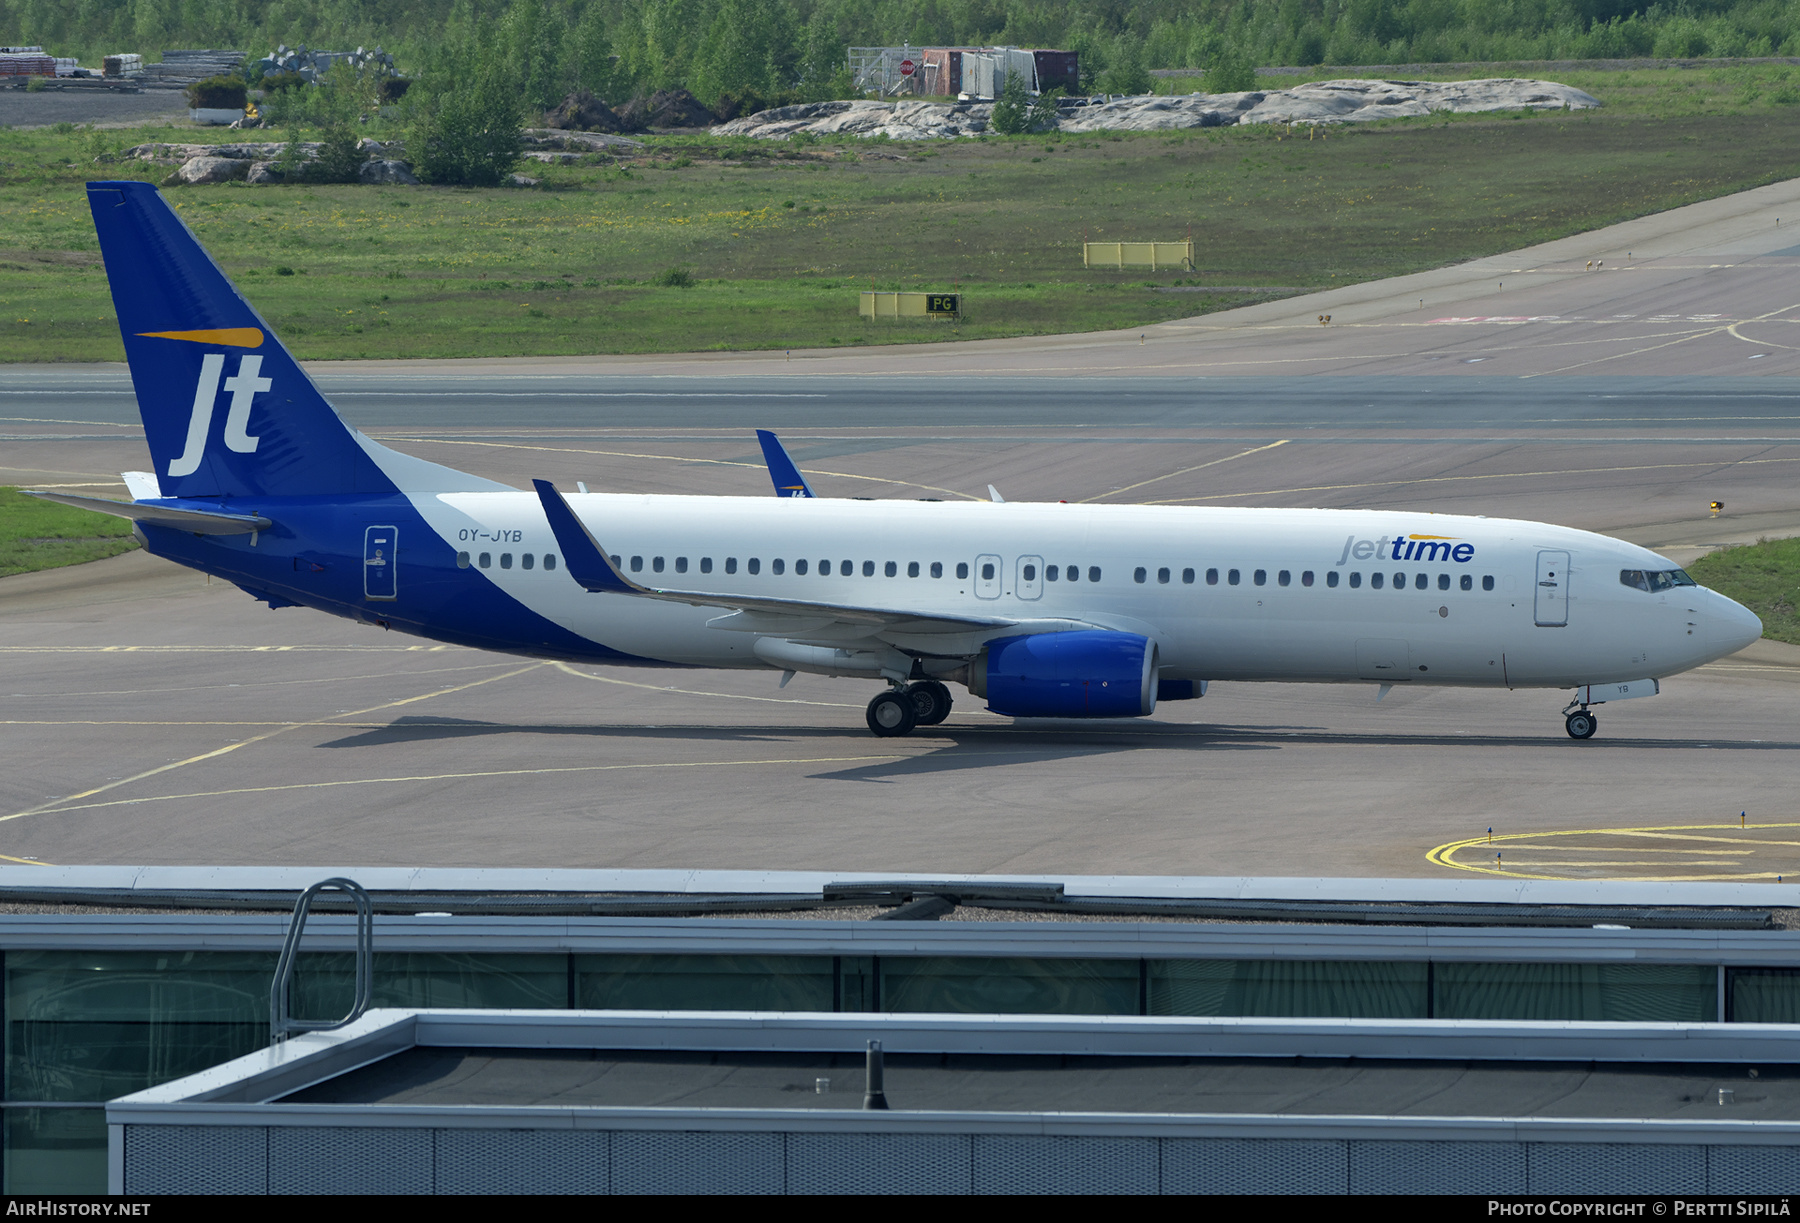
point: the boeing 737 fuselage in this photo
(1043, 610)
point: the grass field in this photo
(779, 237)
(1765, 577)
(43, 535)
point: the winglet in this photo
(585, 559)
(788, 480)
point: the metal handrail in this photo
(281, 1023)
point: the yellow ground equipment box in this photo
(1152, 255)
(911, 305)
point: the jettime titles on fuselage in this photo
(1407, 548)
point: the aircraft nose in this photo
(1730, 626)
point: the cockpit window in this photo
(1653, 580)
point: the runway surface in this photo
(151, 717)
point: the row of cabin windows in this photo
(827, 567)
(1285, 577)
(1052, 573)
(527, 560)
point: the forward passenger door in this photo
(1552, 589)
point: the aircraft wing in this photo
(588, 562)
(185, 518)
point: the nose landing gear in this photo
(1581, 723)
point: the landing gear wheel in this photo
(931, 701)
(1581, 724)
(891, 715)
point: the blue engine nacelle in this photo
(1088, 674)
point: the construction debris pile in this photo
(311, 66)
(1320, 102)
(26, 61)
(179, 69)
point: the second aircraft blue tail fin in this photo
(782, 469)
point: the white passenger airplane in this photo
(1043, 610)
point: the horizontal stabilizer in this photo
(782, 469)
(200, 522)
(141, 485)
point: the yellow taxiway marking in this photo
(64, 803)
(1737, 335)
(1185, 470)
(674, 458)
(1719, 464)
(1707, 331)
(378, 781)
(1495, 863)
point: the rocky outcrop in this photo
(386, 171)
(1347, 101)
(575, 142)
(212, 170)
(247, 151)
(897, 120)
(260, 163)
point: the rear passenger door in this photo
(380, 551)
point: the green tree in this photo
(1127, 75)
(823, 70)
(529, 44)
(1042, 117)
(671, 32)
(748, 52)
(1229, 70)
(467, 133)
(589, 55)
(1011, 109)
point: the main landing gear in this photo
(895, 712)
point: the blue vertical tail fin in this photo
(227, 410)
(782, 469)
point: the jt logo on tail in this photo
(244, 386)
